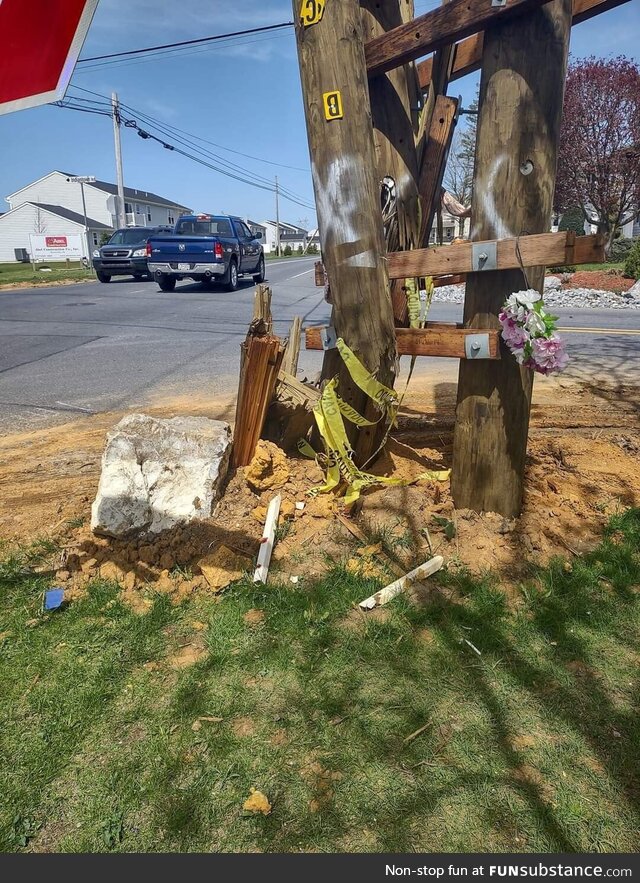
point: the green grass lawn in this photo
(384, 733)
(612, 265)
(12, 273)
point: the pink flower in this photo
(515, 336)
(548, 354)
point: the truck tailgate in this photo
(183, 248)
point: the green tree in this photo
(573, 219)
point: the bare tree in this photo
(458, 178)
(39, 223)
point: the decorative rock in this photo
(159, 473)
(634, 291)
(569, 298)
(551, 283)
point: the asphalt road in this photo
(70, 350)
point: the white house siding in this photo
(17, 225)
(54, 189)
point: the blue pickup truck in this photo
(208, 249)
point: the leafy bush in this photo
(573, 219)
(620, 249)
(558, 271)
(299, 249)
(632, 263)
(313, 249)
(287, 251)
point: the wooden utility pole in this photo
(337, 108)
(521, 93)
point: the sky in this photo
(243, 96)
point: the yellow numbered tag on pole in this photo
(333, 106)
(311, 12)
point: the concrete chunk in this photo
(158, 473)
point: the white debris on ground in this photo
(569, 298)
(159, 473)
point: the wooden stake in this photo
(336, 100)
(391, 591)
(521, 94)
(292, 351)
(261, 357)
(268, 540)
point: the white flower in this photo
(534, 324)
(521, 302)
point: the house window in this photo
(148, 213)
(94, 236)
(171, 218)
(128, 208)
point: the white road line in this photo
(76, 407)
(297, 276)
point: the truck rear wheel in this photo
(231, 276)
(167, 283)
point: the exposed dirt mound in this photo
(583, 463)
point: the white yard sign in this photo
(56, 248)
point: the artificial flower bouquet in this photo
(530, 333)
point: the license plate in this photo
(184, 266)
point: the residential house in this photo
(290, 234)
(53, 204)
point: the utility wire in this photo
(196, 137)
(211, 39)
(167, 145)
(173, 53)
(167, 132)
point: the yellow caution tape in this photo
(413, 302)
(386, 399)
(338, 459)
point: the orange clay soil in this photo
(583, 464)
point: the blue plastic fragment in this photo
(53, 599)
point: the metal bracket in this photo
(484, 256)
(328, 337)
(498, 2)
(476, 346)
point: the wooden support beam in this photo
(468, 53)
(541, 249)
(338, 116)
(436, 29)
(437, 146)
(394, 102)
(437, 339)
(520, 110)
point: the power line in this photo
(199, 138)
(170, 131)
(201, 40)
(172, 53)
(172, 147)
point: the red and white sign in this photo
(57, 248)
(41, 42)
